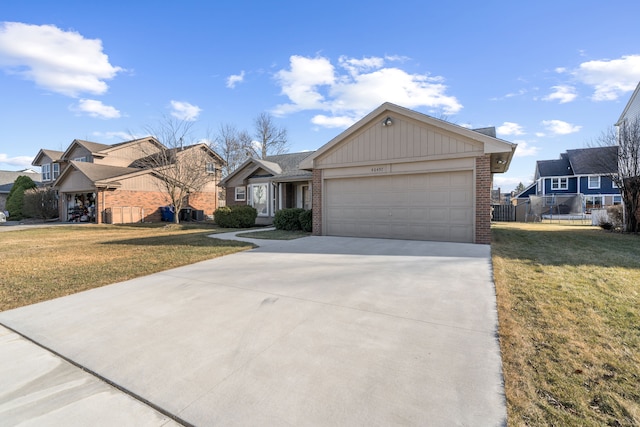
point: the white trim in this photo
(560, 186)
(55, 171)
(46, 172)
(244, 194)
(593, 187)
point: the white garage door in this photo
(433, 206)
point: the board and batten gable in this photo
(405, 140)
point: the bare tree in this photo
(625, 140)
(234, 146)
(182, 165)
(271, 138)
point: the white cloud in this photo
(355, 88)
(333, 122)
(96, 108)
(60, 61)
(610, 78)
(562, 94)
(185, 111)
(540, 134)
(234, 79)
(525, 150)
(21, 161)
(124, 136)
(558, 127)
(509, 128)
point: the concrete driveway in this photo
(314, 331)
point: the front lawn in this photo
(569, 314)
(43, 263)
(275, 234)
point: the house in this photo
(583, 172)
(631, 111)
(113, 184)
(270, 184)
(397, 173)
(7, 178)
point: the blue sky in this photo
(550, 75)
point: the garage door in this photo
(433, 206)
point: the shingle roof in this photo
(96, 172)
(597, 160)
(581, 161)
(558, 167)
(7, 178)
(289, 164)
(93, 147)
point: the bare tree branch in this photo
(182, 165)
(624, 166)
(233, 146)
(272, 139)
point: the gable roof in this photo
(92, 147)
(596, 160)
(557, 167)
(52, 154)
(282, 167)
(98, 173)
(580, 161)
(501, 151)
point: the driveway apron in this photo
(314, 331)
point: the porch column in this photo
(279, 195)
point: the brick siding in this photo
(231, 197)
(150, 202)
(316, 202)
(483, 199)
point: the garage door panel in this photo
(435, 206)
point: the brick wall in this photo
(150, 202)
(316, 202)
(483, 199)
(231, 197)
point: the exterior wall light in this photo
(387, 122)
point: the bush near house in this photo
(236, 216)
(306, 221)
(16, 196)
(615, 218)
(41, 203)
(288, 219)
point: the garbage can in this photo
(185, 214)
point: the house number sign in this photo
(378, 169)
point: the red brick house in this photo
(110, 184)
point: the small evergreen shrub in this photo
(236, 216)
(306, 221)
(41, 203)
(15, 198)
(288, 219)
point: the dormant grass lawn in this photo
(569, 315)
(275, 234)
(44, 263)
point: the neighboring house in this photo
(401, 174)
(7, 178)
(109, 183)
(585, 172)
(270, 184)
(632, 109)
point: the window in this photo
(80, 159)
(617, 200)
(46, 172)
(56, 170)
(260, 198)
(211, 168)
(593, 202)
(241, 194)
(594, 182)
(559, 183)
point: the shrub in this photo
(16, 196)
(40, 203)
(288, 219)
(616, 216)
(306, 221)
(236, 216)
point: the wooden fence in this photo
(503, 213)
